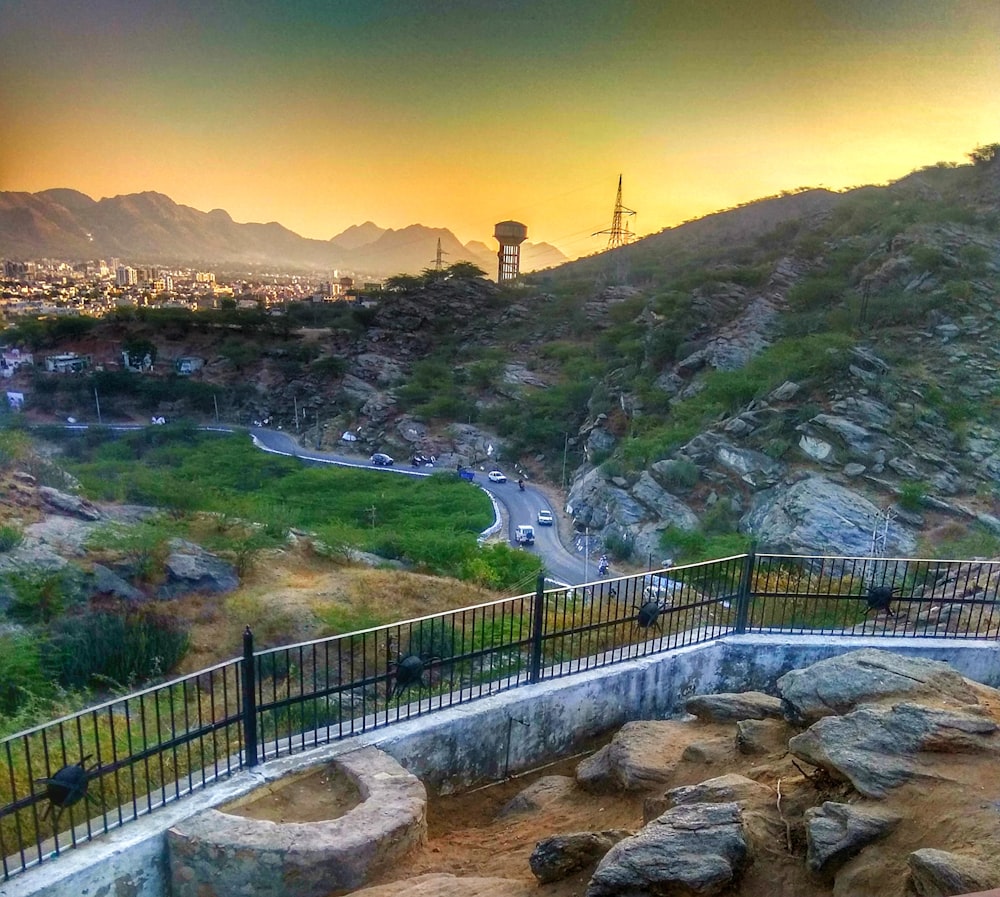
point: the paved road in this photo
(561, 565)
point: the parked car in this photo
(545, 517)
(495, 476)
(381, 459)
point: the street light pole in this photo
(98, 402)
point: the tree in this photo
(465, 271)
(985, 154)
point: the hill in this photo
(150, 228)
(814, 372)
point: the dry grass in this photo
(294, 595)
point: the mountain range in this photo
(150, 228)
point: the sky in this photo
(322, 114)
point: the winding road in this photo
(562, 566)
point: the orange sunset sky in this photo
(321, 114)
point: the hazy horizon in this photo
(322, 116)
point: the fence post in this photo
(249, 700)
(744, 593)
(537, 626)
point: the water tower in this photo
(510, 235)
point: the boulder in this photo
(723, 708)
(538, 795)
(71, 505)
(836, 832)
(190, 568)
(691, 849)
(641, 755)
(879, 748)
(838, 684)
(103, 581)
(762, 736)
(730, 788)
(938, 873)
(560, 856)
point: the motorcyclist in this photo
(602, 565)
(520, 485)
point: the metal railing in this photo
(72, 779)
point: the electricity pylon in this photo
(438, 260)
(618, 234)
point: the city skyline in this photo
(325, 115)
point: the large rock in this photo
(543, 793)
(838, 684)
(190, 568)
(730, 788)
(723, 708)
(816, 516)
(72, 505)
(560, 856)
(643, 755)
(836, 832)
(762, 736)
(692, 849)
(938, 873)
(878, 748)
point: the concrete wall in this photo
(491, 738)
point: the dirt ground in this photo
(470, 834)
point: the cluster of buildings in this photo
(98, 287)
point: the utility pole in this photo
(565, 449)
(215, 401)
(98, 403)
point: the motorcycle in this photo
(602, 566)
(520, 485)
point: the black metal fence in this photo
(72, 779)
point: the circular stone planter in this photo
(378, 814)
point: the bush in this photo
(21, 676)
(120, 647)
(38, 595)
(10, 537)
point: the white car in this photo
(545, 517)
(496, 476)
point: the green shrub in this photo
(682, 474)
(21, 676)
(39, 595)
(10, 536)
(120, 647)
(912, 495)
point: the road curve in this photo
(561, 566)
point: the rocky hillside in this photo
(816, 371)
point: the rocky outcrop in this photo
(817, 513)
(880, 748)
(841, 683)
(190, 568)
